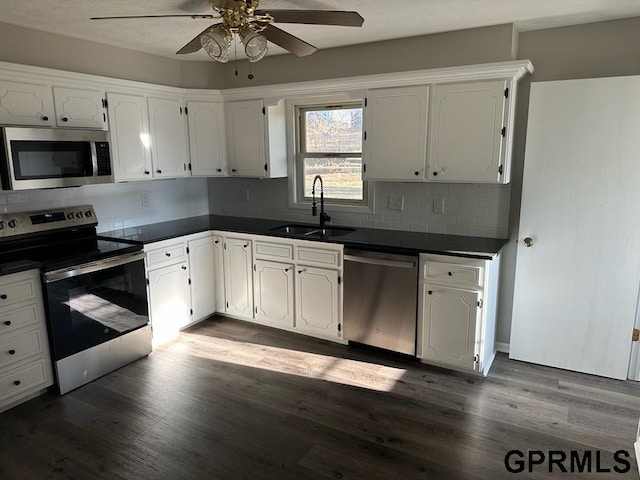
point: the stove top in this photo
(58, 238)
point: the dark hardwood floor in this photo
(232, 400)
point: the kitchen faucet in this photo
(314, 208)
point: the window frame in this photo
(295, 107)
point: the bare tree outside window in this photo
(331, 146)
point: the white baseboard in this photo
(502, 347)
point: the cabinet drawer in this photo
(273, 250)
(166, 255)
(318, 256)
(18, 287)
(25, 378)
(452, 273)
(22, 346)
(15, 317)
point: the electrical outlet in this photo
(245, 196)
(395, 202)
(144, 199)
(438, 205)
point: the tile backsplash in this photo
(120, 205)
(458, 209)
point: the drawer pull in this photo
(12, 352)
(7, 322)
(184, 267)
(3, 296)
(450, 274)
(17, 382)
(168, 254)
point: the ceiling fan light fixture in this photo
(216, 42)
(255, 45)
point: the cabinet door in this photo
(218, 272)
(168, 138)
(203, 280)
(26, 104)
(466, 142)
(273, 293)
(246, 138)
(207, 143)
(169, 301)
(449, 318)
(238, 279)
(318, 305)
(130, 142)
(395, 146)
(80, 108)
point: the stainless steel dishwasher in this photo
(380, 300)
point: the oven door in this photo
(95, 303)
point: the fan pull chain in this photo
(250, 76)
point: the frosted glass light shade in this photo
(216, 42)
(255, 45)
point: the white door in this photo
(169, 301)
(246, 138)
(130, 141)
(218, 273)
(25, 104)
(168, 138)
(207, 138)
(273, 293)
(576, 285)
(317, 301)
(466, 136)
(202, 269)
(238, 279)
(449, 319)
(80, 108)
(395, 146)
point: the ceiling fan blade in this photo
(194, 45)
(195, 16)
(193, 5)
(226, 4)
(317, 17)
(287, 41)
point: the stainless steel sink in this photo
(311, 231)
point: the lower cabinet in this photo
(457, 312)
(169, 301)
(238, 279)
(273, 293)
(25, 363)
(203, 280)
(318, 302)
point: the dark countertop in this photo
(8, 268)
(396, 241)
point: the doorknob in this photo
(528, 242)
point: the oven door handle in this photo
(69, 272)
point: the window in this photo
(329, 144)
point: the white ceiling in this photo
(383, 19)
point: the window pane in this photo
(333, 131)
(341, 177)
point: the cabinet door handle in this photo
(184, 267)
(3, 296)
(16, 382)
(450, 274)
(216, 241)
(286, 269)
(65, 119)
(245, 245)
(7, 322)
(430, 292)
(167, 254)
(218, 170)
(12, 352)
(45, 118)
(158, 171)
(416, 173)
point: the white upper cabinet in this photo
(207, 142)
(168, 128)
(395, 146)
(130, 141)
(26, 104)
(80, 108)
(256, 139)
(468, 132)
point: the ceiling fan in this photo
(255, 28)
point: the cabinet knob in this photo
(528, 242)
(245, 245)
(286, 269)
(184, 267)
(45, 118)
(158, 171)
(17, 382)
(216, 241)
(233, 170)
(430, 292)
(65, 119)
(450, 274)
(167, 254)
(435, 174)
(147, 172)
(3, 296)
(12, 352)
(416, 173)
(218, 169)
(7, 322)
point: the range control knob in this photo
(88, 214)
(70, 216)
(2, 224)
(13, 223)
(79, 214)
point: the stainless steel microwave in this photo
(49, 157)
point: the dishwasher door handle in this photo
(379, 261)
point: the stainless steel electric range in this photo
(95, 292)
